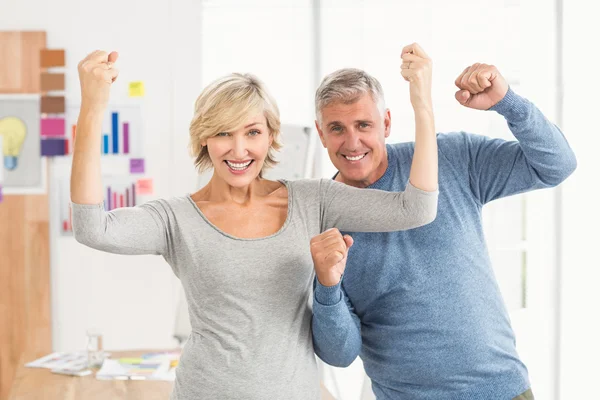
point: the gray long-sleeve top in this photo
(249, 299)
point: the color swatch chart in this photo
(52, 104)
(121, 129)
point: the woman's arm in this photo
(364, 210)
(416, 69)
(351, 209)
(96, 74)
(137, 230)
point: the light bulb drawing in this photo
(13, 132)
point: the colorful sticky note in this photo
(53, 104)
(52, 58)
(144, 186)
(136, 165)
(53, 147)
(136, 89)
(52, 127)
(52, 81)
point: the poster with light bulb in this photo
(20, 160)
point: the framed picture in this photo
(23, 169)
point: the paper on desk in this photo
(135, 369)
(60, 360)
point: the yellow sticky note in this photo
(145, 186)
(136, 89)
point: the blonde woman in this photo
(240, 245)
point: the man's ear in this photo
(320, 133)
(387, 122)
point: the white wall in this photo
(580, 321)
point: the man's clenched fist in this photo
(480, 86)
(329, 253)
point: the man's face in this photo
(354, 136)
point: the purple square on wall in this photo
(53, 147)
(136, 165)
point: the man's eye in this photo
(336, 129)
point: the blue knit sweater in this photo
(422, 307)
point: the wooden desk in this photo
(38, 383)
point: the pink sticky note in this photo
(52, 127)
(136, 165)
(144, 186)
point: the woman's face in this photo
(238, 156)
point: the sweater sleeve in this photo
(540, 157)
(370, 210)
(131, 230)
(335, 326)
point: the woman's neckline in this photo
(230, 236)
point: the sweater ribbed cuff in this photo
(328, 295)
(512, 106)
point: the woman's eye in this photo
(254, 132)
(222, 134)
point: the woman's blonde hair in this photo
(225, 105)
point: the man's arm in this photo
(539, 158)
(335, 326)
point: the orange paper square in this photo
(52, 58)
(145, 186)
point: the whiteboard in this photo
(296, 156)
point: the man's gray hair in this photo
(347, 85)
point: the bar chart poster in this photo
(118, 191)
(121, 129)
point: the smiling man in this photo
(422, 307)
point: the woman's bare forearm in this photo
(96, 75)
(86, 177)
(424, 168)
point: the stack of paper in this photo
(60, 360)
